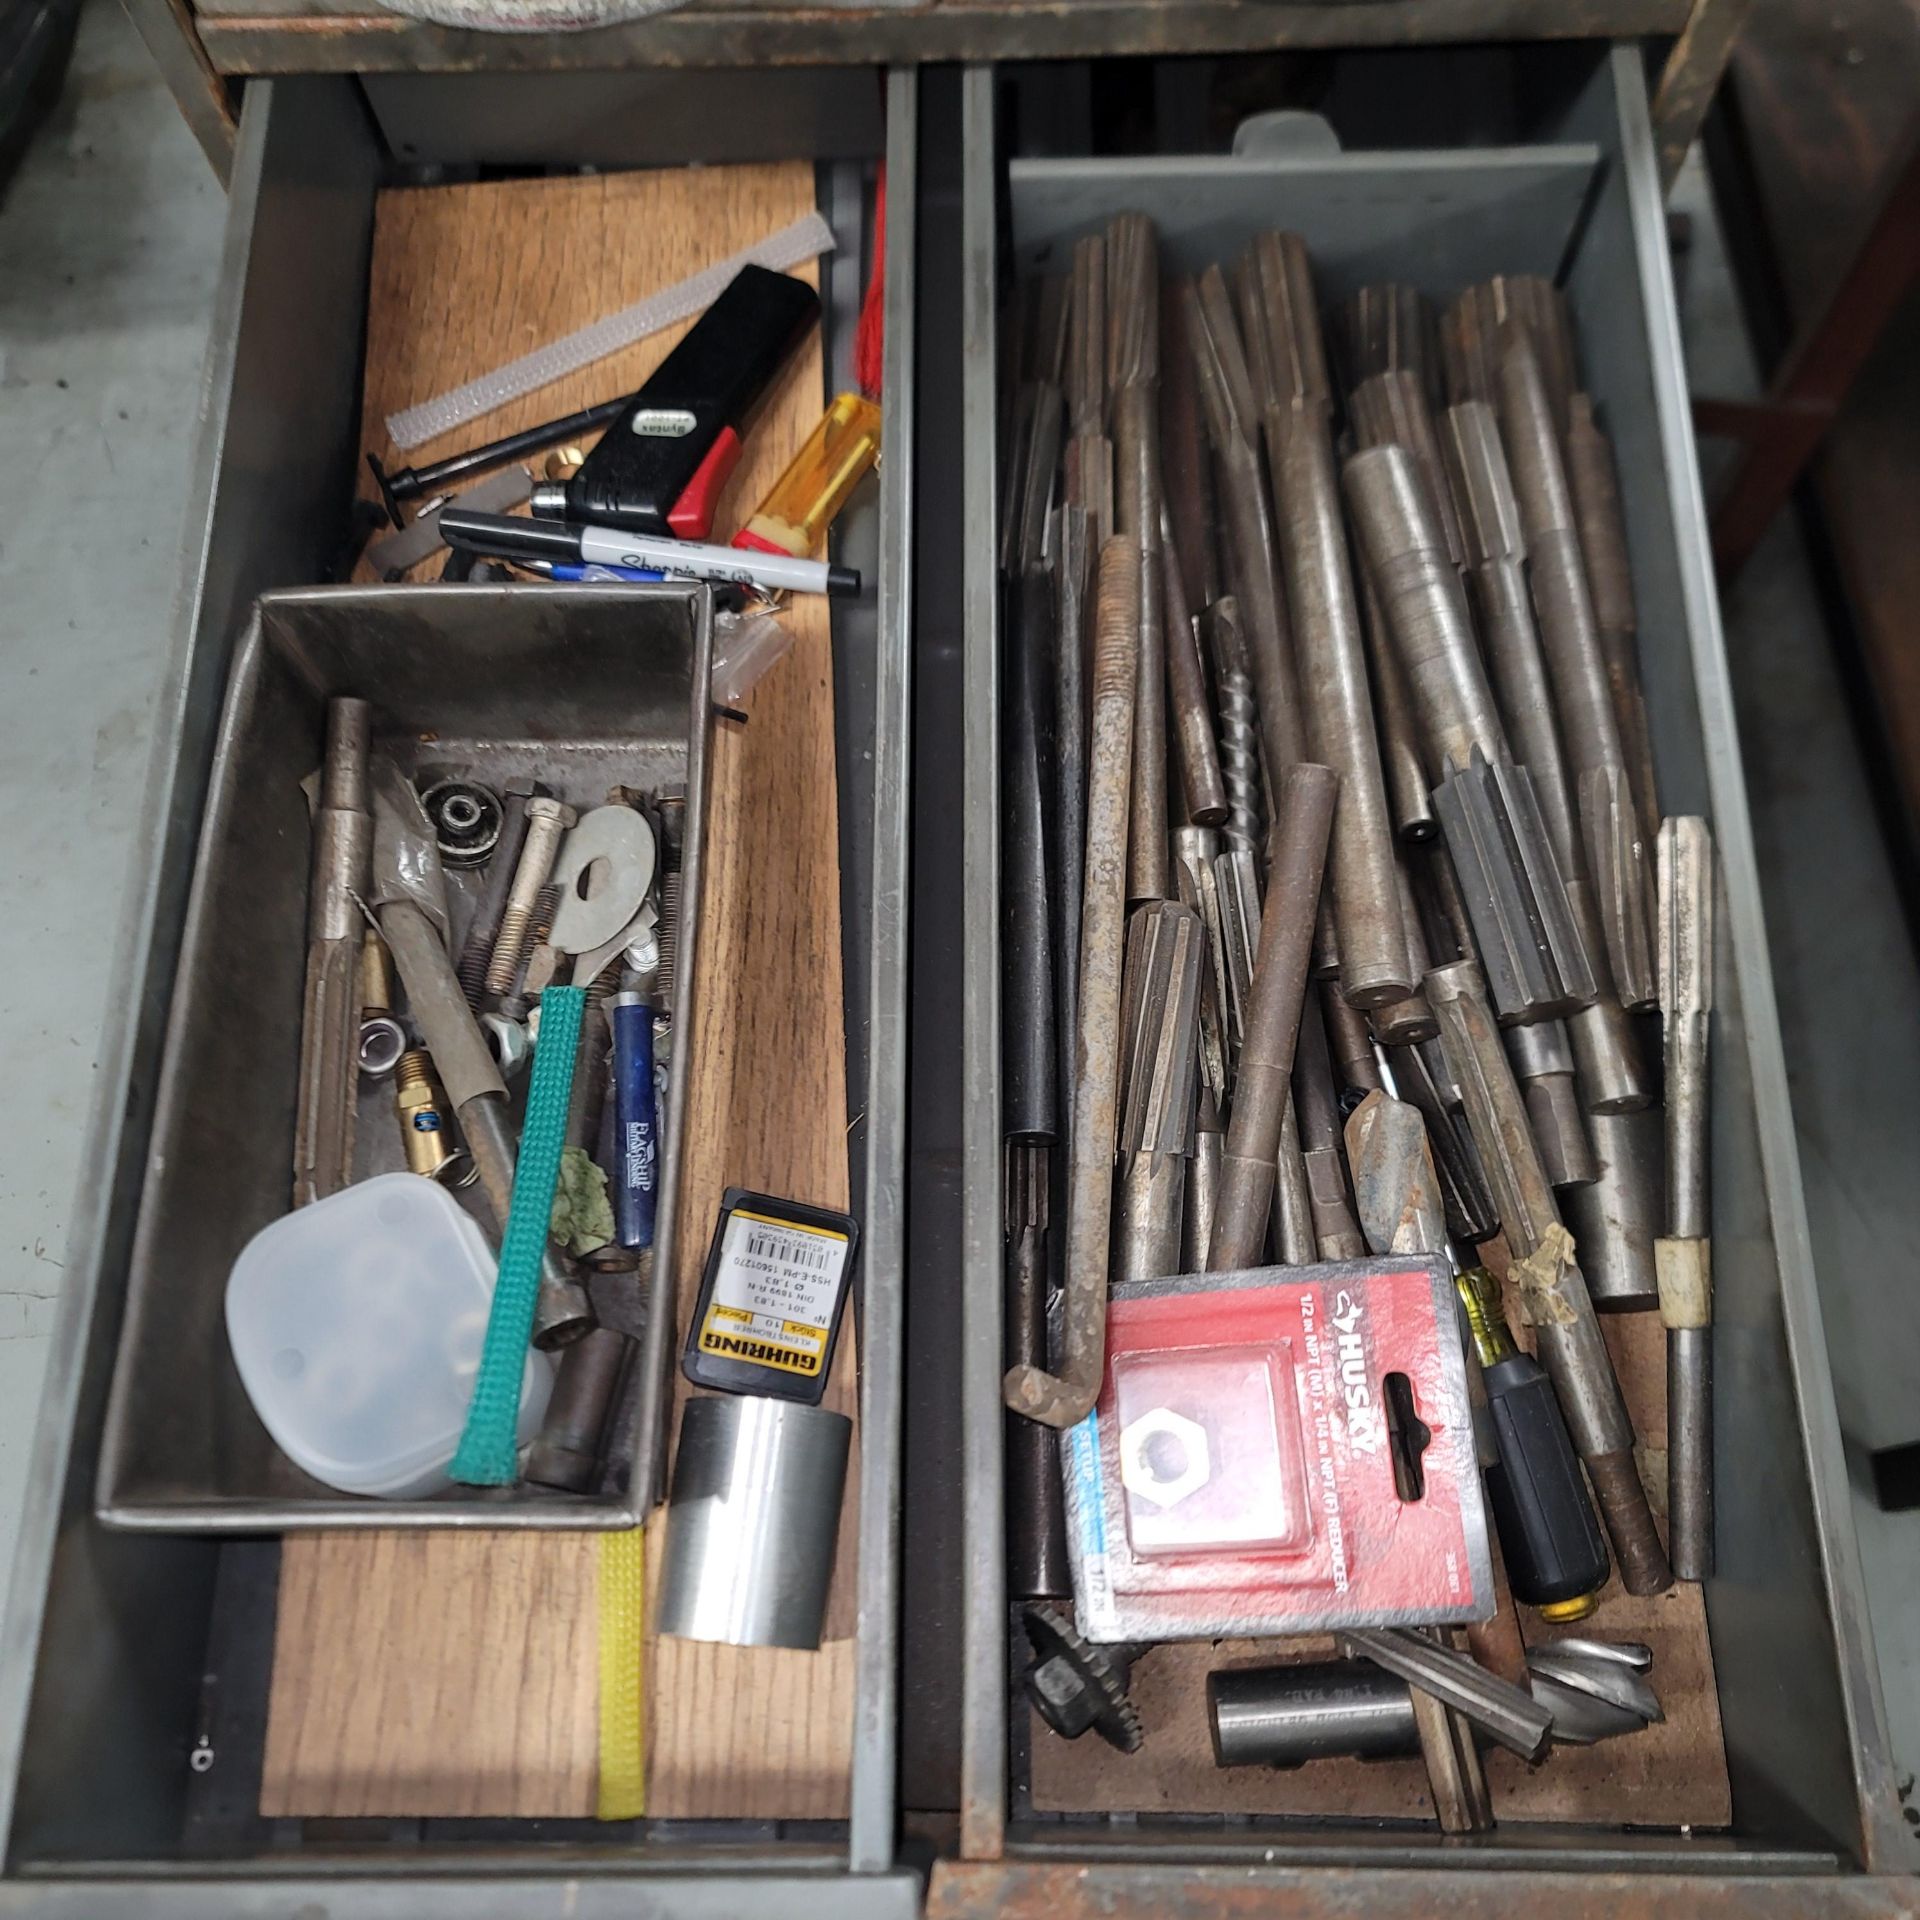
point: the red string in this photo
(869, 340)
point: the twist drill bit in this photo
(1295, 864)
(1551, 1285)
(1603, 1038)
(1036, 1513)
(1388, 328)
(1240, 770)
(1196, 852)
(1089, 461)
(1472, 337)
(1683, 1257)
(1159, 1024)
(1603, 543)
(1290, 380)
(1196, 753)
(1133, 364)
(1186, 463)
(1615, 1217)
(1536, 961)
(1390, 410)
(1065, 1398)
(1617, 852)
(1253, 568)
(1542, 1059)
(330, 1003)
(1335, 1231)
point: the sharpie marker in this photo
(510, 538)
(572, 570)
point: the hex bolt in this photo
(547, 820)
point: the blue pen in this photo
(636, 1172)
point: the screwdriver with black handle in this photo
(1555, 1552)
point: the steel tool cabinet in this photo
(101, 1666)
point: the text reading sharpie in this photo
(511, 538)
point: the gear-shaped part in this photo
(1076, 1685)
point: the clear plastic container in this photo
(357, 1323)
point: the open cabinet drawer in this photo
(1807, 1789)
(134, 1699)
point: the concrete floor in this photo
(111, 234)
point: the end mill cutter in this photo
(1065, 1398)
(329, 1083)
(1551, 1283)
(1683, 1257)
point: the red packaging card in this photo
(1285, 1450)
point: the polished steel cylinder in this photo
(1295, 865)
(1425, 608)
(1690, 1451)
(1064, 1399)
(751, 1521)
(1317, 1710)
(1615, 1218)
(1340, 728)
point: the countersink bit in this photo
(1506, 1715)
(1420, 1078)
(1595, 486)
(1388, 328)
(1073, 582)
(1196, 852)
(1160, 1030)
(1253, 567)
(1409, 796)
(1030, 1058)
(1065, 1398)
(1203, 1183)
(329, 1084)
(1036, 1513)
(1618, 857)
(1683, 1256)
(1615, 1218)
(1390, 410)
(1594, 1689)
(1195, 751)
(1396, 1185)
(1239, 739)
(1551, 1287)
(1612, 1080)
(1295, 865)
(1542, 1060)
(1474, 329)
(1186, 461)
(1336, 1233)
(1089, 458)
(1488, 813)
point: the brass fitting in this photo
(425, 1126)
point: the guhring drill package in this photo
(1283, 1450)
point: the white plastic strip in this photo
(414, 426)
